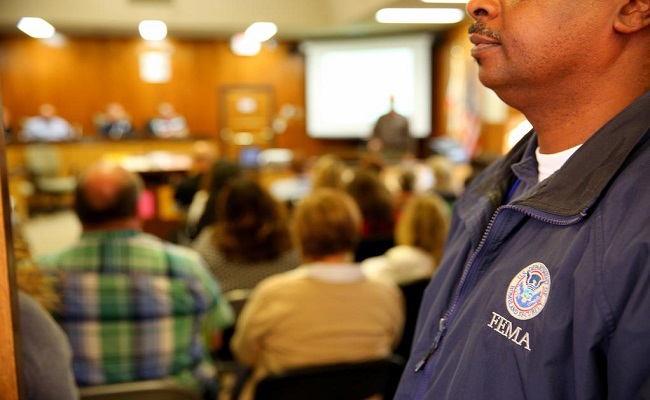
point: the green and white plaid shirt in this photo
(135, 308)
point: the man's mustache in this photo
(483, 30)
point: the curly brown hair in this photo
(251, 225)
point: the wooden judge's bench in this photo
(159, 162)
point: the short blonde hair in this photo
(424, 223)
(328, 172)
(326, 222)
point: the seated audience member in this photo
(250, 239)
(293, 188)
(405, 191)
(377, 210)
(6, 124)
(374, 200)
(115, 123)
(204, 155)
(133, 306)
(47, 126)
(324, 312)
(419, 236)
(203, 209)
(328, 172)
(168, 124)
(373, 162)
(442, 169)
(46, 352)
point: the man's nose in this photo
(482, 10)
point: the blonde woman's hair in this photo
(328, 172)
(424, 223)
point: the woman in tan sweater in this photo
(324, 312)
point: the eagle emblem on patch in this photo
(528, 291)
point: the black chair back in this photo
(345, 381)
(413, 293)
(165, 389)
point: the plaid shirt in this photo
(135, 308)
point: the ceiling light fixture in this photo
(241, 45)
(261, 31)
(36, 27)
(445, 1)
(419, 15)
(152, 29)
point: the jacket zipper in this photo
(447, 316)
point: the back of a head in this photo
(204, 154)
(407, 180)
(328, 172)
(327, 222)
(424, 223)
(251, 225)
(373, 162)
(442, 169)
(374, 200)
(107, 193)
(221, 172)
(299, 162)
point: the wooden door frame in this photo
(223, 93)
(10, 359)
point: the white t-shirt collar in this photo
(547, 164)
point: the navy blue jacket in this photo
(547, 297)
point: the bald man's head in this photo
(107, 193)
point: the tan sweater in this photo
(297, 319)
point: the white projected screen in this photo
(349, 84)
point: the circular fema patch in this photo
(528, 291)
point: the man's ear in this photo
(634, 16)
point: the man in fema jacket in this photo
(544, 288)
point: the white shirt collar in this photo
(335, 273)
(547, 164)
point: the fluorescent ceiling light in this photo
(420, 15)
(152, 29)
(36, 27)
(261, 31)
(446, 1)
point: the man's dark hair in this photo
(123, 205)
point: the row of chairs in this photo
(412, 293)
(345, 381)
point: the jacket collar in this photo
(576, 186)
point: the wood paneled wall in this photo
(84, 74)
